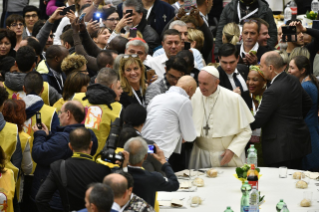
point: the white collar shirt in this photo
(255, 48)
(239, 77)
(158, 64)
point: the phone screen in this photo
(38, 120)
(67, 9)
(131, 13)
(97, 16)
(151, 149)
(82, 16)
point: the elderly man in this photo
(250, 50)
(146, 183)
(100, 112)
(49, 148)
(172, 44)
(285, 136)
(169, 117)
(222, 120)
(124, 198)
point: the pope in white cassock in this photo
(221, 118)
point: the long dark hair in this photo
(303, 62)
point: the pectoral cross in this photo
(206, 128)
(164, 17)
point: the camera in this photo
(108, 152)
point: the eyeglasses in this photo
(113, 19)
(29, 16)
(15, 25)
(126, 56)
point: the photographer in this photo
(48, 148)
(80, 170)
(313, 47)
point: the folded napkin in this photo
(312, 175)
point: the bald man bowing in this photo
(221, 119)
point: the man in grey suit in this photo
(285, 136)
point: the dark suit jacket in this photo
(261, 50)
(224, 81)
(281, 113)
(146, 183)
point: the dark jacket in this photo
(126, 100)
(14, 81)
(280, 116)
(80, 172)
(224, 81)
(161, 14)
(46, 150)
(146, 183)
(230, 14)
(313, 47)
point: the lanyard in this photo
(138, 99)
(58, 81)
(245, 17)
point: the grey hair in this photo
(102, 197)
(178, 23)
(137, 43)
(117, 61)
(275, 60)
(137, 4)
(137, 156)
(107, 77)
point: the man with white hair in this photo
(222, 122)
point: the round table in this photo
(224, 190)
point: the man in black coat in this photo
(285, 136)
(232, 75)
(80, 170)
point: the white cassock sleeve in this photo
(185, 117)
(239, 142)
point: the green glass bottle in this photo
(228, 209)
(280, 205)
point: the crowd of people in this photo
(84, 104)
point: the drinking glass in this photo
(283, 172)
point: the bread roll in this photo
(211, 173)
(305, 203)
(301, 184)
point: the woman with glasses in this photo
(8, 41)
(74, 63)
(16, 23)
(132, 77)
(111, 18)
(100, 37)
(256, 84)
(76, 82)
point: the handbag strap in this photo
(64, 184)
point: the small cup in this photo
(283, 172)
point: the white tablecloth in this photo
(224, 191)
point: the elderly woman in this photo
(132, 77)
(300, 67)
(256, 84)
(14, 112)
(8, 42)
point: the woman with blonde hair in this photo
(74, 63)
(231, 33)
(132, 77)
(196, 38)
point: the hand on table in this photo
(227, 156)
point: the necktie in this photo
(237, 83)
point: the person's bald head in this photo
(207, 83)
(137, 147)
(271, 64)
(118, 183)
(72, 112)
(188, 84)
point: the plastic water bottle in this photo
(253, 200)
(252, 155)
(244, 202)
(228, 209)
(315, 6)
(294, 10)
(287, 14)
(284, 208)
(280, 205)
